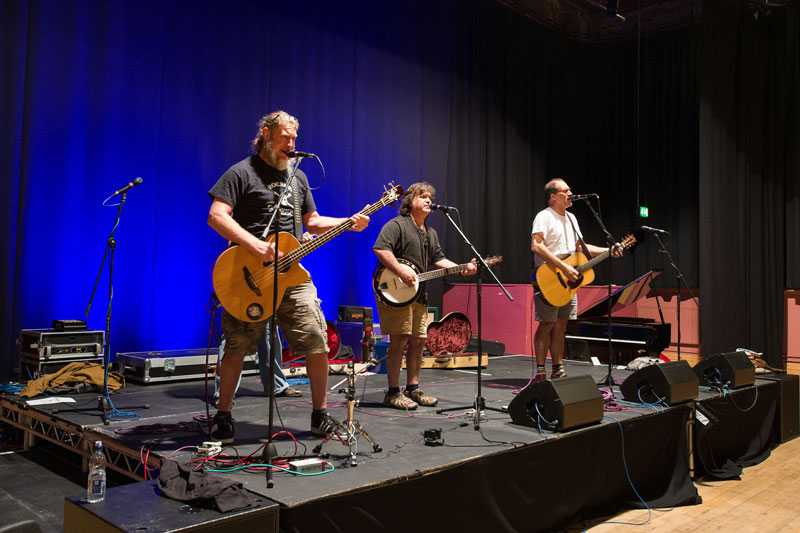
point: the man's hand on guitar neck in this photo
(471, 269)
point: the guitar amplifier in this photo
(175, 365)
(52, 345)
(354, 313)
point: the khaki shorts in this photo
(547, 313)
(409, 320)
(299, 316)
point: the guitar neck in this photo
(599, 258)
(308, 247)
(433, 274)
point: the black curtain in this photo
(528, 104)
(748, 198)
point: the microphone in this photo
(655, 230)
(129, 186)
(298, 153)
(583, 196)
(440, 207)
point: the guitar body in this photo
(555, 285)
(243, 283)
(390, 289)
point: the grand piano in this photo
(631, 337)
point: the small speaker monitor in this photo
(561, 404)
(669, 383)
(731, 369)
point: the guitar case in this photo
(449, 335)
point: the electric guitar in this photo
(244, 282)
(391, 290)
(556, 287)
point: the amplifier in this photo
(49, 344)
(354, 313)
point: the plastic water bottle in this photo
(96, 484)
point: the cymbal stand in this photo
(348, 431)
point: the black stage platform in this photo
(503, 478)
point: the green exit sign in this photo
(643, 211)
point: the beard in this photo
(273, 156)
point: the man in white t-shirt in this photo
(555, 235)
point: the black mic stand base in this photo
(104, 408)
(479, 406)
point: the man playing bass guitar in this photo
(242, 202)
(408, 237)
(554, 236)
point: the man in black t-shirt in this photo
(243, 200)
(407, 236)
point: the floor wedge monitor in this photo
(731, 369)
(665, 383)
(560, 404)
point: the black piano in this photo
(630, 337)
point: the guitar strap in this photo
(298, 207)
(579, 238)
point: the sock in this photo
(557, 367)
(394, 390)
(540, 369)
(412, 388)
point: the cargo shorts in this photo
(299, 316)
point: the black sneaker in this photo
(324, 426)
(223, 428)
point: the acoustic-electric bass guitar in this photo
(391, 290)
(244, 282)
(556, 287)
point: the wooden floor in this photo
(764, 500)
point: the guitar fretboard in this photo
(308, 247)
(433, 274)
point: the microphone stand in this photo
(681, 281)
(104, 404)
(270, 450)
(479, 404)
(610, 240)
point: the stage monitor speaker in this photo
(788, 404)
(562, 404)
(672, 383)
(732, 369)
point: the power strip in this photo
(311, 465)
(209, 448)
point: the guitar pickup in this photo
(250, 280)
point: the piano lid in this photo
(621, 296)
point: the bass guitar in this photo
(391, 290)
(556, 287)
(244, 282)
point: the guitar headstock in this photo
(628, 241)
(391, 193)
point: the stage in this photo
(502, 478)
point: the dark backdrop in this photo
(749, 182)
(467, 95)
